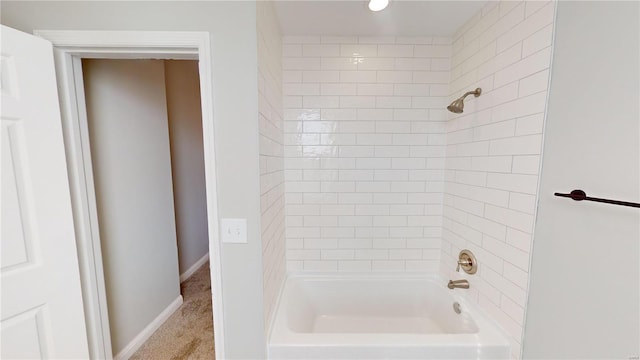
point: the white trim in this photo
(146, 333)
(274, 312)
(195, 267)
(69, 48)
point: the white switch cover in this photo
(234, 231)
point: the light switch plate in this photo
(233, 231)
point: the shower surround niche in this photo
(365, 125)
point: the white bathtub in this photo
(380, 317)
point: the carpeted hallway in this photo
(188, 333)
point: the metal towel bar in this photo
(579, 195)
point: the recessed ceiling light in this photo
(377, 5)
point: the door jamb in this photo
(69, 48)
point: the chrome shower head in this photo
(457, 106)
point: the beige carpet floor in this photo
(188, 333)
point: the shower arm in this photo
(475, 92)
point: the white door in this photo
(41, 310)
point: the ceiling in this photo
(353, 17)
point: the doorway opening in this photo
(70, 48)
(146, 144)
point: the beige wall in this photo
(232, 27)
(187, 160)
(128, 132)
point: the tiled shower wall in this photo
(493, 153)
(364, 152)
(271, 154)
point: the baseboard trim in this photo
(190, 271)
(146, 333)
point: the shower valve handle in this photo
(462, 262)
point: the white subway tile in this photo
(534, 83)
(303, 254)
(405, 254)
(388, 265)
(372, 209)
(371, 63)
(515, 219)
(520, 145)
(300, 63)
(519, 239)
(372, 232)
(529, 125)
(292, 50)
(538, 41)
(526, 164)
(513, 182)
(341, 254)
(338, 186)
(393, 51)
(355, 198)
(417, 64)
(492, 163)
(354, 243)
(319, 198)
(338, 89)
(522, 202)
(516, 275)
(375, 114)
(375, 89)
(302, 89)
(431, 77)
(376, 39)
(339, 39)
(320, 221)
(530, 25)
(294, 76)
(411, 114)
(523, 68)
(410, 90)
(391, 175)
(425, 40)
(357, 101)
(358, 76)
(515, 256)
(316, 50)
(371, 254)
(373, 163)
(338, 63)
(432, 51)
(394, 77)
(320, 266)
(337, 232)
(358, 50)
(320, 102)
(394, 127)
(292, 102)
(339, 114)
(392, 102)
(491, 228)
(355, 220)
(429, 102)
(372, 186)
(354, 266)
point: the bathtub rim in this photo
(489, 334)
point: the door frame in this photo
(69, 48)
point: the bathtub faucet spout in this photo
(462, 284)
